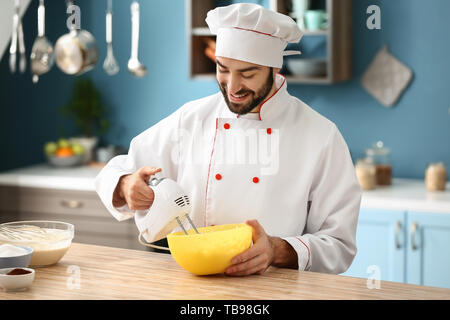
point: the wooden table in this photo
(114, 273)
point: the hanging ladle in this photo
(42, 57)
(134, 65)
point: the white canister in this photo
(435, 177)
(366, 174)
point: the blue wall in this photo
(417, 129)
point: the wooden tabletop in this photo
(97, 272)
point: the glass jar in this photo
(380, 156)
(435, 177)
(366, 173)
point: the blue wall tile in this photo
(417, 128)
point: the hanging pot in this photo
(76, 52)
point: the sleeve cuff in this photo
(300, 245)
(105, 186)
(124, 211)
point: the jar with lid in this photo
(366, 173)
(380, 156)
(435, 177)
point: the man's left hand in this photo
(256, 259)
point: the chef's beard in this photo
(257, 98)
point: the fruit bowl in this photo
(64, 153)
(210, 251)
(69, 161)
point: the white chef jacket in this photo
(289, 168)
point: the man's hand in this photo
(133, 190)
(256, 259)
(266, 251)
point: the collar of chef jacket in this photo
(271, 108)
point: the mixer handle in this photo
(153, 182)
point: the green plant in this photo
(86, 108)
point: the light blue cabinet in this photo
(380, 239)
(409, 247)
(428, 249)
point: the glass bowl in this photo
(50, 241)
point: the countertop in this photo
(403, 194)
(113, 273)
(46, 176)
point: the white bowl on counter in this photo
(16, 282)
(19, 261)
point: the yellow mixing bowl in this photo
(211, 251)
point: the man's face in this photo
(244, 85)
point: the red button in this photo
(226, 126)
(218, 176)
(255, 179)
(269, 131)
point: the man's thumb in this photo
(146, 172)
(258, 230)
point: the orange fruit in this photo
(64, 152)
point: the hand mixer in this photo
(171, 206)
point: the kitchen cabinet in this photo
(403, 246)
(380, 241)
(427, 250)
(337, 39)
(93, 223)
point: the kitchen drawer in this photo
(101, 226)
(109, 241)
(53, 201)
(9, 198)
(8, 216)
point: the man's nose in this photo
(234, 84)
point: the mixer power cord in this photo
(149, 244)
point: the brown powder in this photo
(18, 271)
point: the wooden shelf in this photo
(338, 41)
(290, 78)
(315, 33)
(307, 79)
(204, 31)
(201, 31)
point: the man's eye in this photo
(223, 70)
(247, 76)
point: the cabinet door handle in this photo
(72, 204)
(413, 236)
(398, 226)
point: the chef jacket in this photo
(289, 168)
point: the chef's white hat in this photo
(252, 33)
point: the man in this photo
(250, 153)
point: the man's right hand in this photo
(132, 189)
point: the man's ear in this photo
(275, 71)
